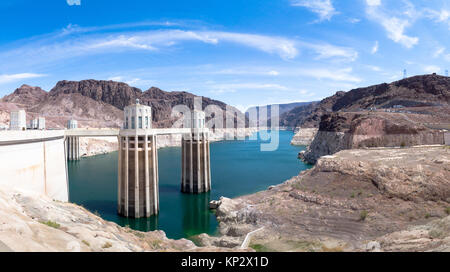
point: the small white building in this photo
(33, 124)
(41, 123)
(137, 116)
(72, 124)
(38, 123)
(18, 120)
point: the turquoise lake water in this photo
(237, 168)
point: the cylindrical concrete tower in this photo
(195, 159)
(73, 148)
(138, 190)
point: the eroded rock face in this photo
(413, 174)
(324, 143)
(91, 146)
(340, 131)
(434, 236)
(351, 201)
(304, 136)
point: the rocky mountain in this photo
(420, 94)
(283, 108)
(26, 95)
(98, 103)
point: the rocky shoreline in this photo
(304, 136)
(356, 200)
(34, 223)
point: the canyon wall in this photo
(304, 136)
(339, 131)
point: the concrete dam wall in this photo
(34, 161)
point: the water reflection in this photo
(143, 224)
(196, 214)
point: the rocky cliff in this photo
(304, 136)
(356, 200)
(339, 131)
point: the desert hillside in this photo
(356, 200)
(428, 95)
(95, 103)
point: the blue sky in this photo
(244, 53)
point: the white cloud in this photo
(442, 15)
(74, 2)
(447, 57)
(5, 78)
(235, 87)
(338, 75)
(255, 71)
(374, 68)
(249, 86)
(354, 20)
(326, 51)
(375, 48)
(373, 3)
(132, 81)
(116, 78)
(438, 52)
(154, 41)
(394, 26)
(52, 48)
(285, 48)
(431, 69)
(335, 75)
(323, 8)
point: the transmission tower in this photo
(446, 73)
(404, 73)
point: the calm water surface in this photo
(237, 168)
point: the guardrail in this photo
(247, 238)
